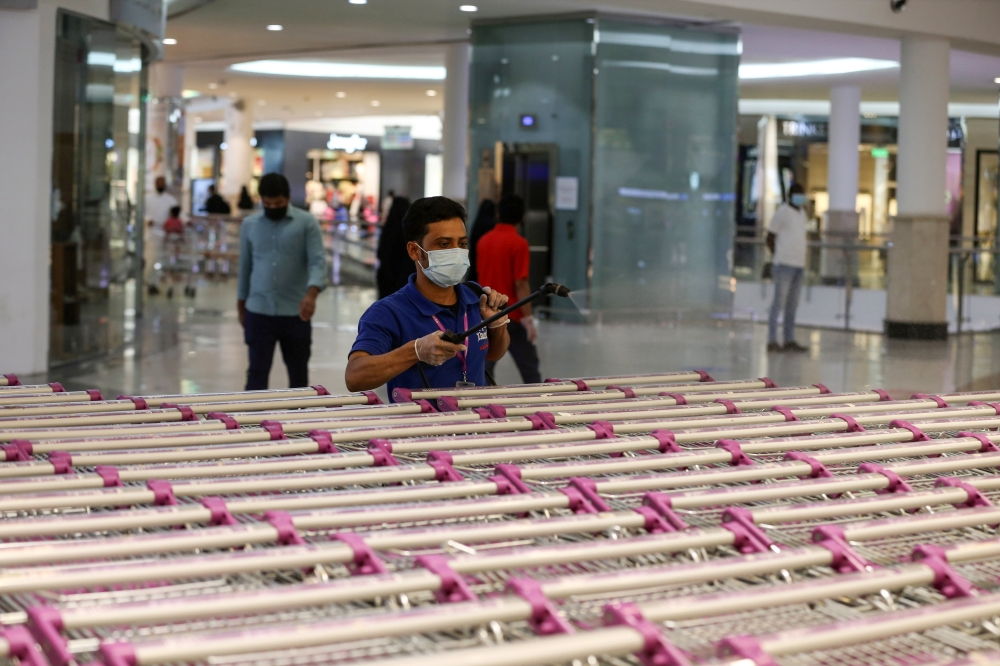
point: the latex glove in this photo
(432, 350)
(491, 302)
(530, 329)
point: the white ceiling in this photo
(414, 32)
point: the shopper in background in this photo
(158, 205)
(246, 202)
(486, 219)
(786, 238)
(215, 204)
(282, 271)
(174, 224)
(502, 261)
(394, 264)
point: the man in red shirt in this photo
(502, 261)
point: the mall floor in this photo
(196, 345)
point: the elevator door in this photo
(527, 172)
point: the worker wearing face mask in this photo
(399, 337)
(786, 238)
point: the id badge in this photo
(464, 385)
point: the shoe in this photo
(793, 346)
(773, 347)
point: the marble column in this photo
(237, 158)
(842, 181)
(917, 279)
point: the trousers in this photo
(787, 287)
(524, 353)
(261, 333)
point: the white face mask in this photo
(446, 268)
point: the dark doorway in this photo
(528, 171)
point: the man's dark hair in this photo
(429, 210)
(175, 211)
(274, 185)
(510, 210)
(796, 188)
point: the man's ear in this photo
(414, 252)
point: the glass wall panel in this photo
(664, 167)
(530, 109)
(96, 202)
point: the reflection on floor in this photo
(197, 346)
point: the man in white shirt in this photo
(158, 205)
(786, 238)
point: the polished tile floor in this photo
(189, 346)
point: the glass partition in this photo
(664, 176)
(530, 103)
(97, 158)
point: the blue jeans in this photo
(787, 286)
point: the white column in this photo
(768, 180)
(842, 180)
(845, 135)
(918, 260)
(455, 133)
(27, 51)
(237, 158)
(166, 86)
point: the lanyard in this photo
(461, 355)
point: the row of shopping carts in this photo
(203, 247)
(660, 520)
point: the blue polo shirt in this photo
(407, 315)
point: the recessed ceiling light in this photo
(169, 41)
(275, 27)
(432, 93)
(375, 102)
(358, 2)
(469, 8)
(341, 94)
(996, 80)
(340, 70)
(780, 70)
(213, 86)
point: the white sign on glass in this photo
(567, 192)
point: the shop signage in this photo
(801, 129)
(348, 144)
(397, 137)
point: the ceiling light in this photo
(375, 102)
(780, 70)
(468, 8)
(340, 70)
(169, 41)
(358, 2)
(996, 80)
(432, 93)
(275, 27)
(341, 94)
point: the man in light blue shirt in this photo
(282, 271)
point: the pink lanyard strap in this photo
(460, 355)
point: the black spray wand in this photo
(546, 289)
